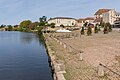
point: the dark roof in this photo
(101, 11)
(61, 18)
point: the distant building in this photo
(117, 15)
(62, 21)
(109, 16)
(80, 22)
(98, 16)
(89, 20)
(117, 21)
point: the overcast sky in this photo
(14, 11)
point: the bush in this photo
(105, 30)
(96, 29)
(89, 31)
(82, 31)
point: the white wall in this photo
(109, 17)
(65, 22)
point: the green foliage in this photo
(103, 24)
(96, 29)
(99, 28)
(82, 31)
(52, 25)
(43, 19)
(24, 25)
(32, 26)
(89, 31)
(2, 26)
(105, 29)
(39, 30)
(109, 27)
(62, 26)
(9, 28)
(85, 25)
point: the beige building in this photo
(89, 20)
(98, 16)
(62, 21)
(117, 15)
(109, 17)
(80, 22)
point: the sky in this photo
(12, 12)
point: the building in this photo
(62, 21)
(80, 22)
(117, 21)
(89, 20)
(109, 16)
(117, 15)
(98, 16)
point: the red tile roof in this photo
(89, 18)
(101, 11)
(80, 20)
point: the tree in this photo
(52, 25)
(103, 24)
(82, 31)
(86, 24)
(32, 26)
(105, 29)
(2, 26)
(43, 19)
(9, 28)
(109, 27)
(62, 26)
(24, 25)
(96, 29)
(89, 31)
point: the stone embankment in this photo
(58, 68)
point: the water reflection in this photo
(28, 37)
(23, 57)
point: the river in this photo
(23, 57)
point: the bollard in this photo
(60, 43)
(100, 71)
(81, 56)
(65, 46)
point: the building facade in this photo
(109, 17)
(62, 21)
(89, 20)
(98, 16)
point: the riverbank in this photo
(77, 61)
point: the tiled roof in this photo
(80, 20)
(61, 18)
(89, 18)
(101, 11)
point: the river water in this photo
(23, 57)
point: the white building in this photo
(109, 17)
(62, 21)
(98, 16)
(117, 15)
(80, 22)
(89, 20)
